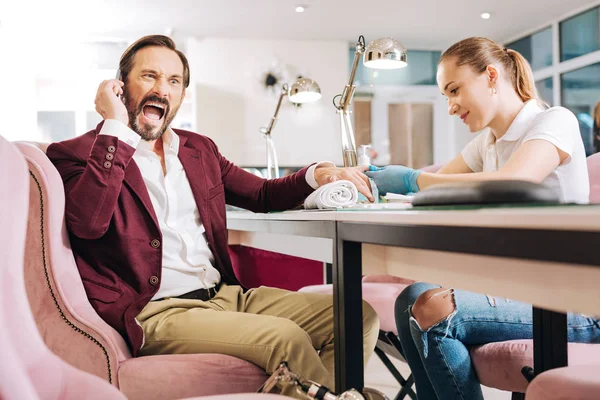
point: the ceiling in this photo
(418, 24)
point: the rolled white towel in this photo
(333, 195)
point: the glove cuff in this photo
(412, 180)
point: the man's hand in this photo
(325, 175)
(108, 104)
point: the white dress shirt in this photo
(187, 262)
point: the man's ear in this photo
(492, 73)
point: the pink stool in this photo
(573, 383)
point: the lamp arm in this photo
(348, 93)
(269, 128)
(272, 164)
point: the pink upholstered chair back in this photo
(593, 164)
(14, 380)
(69, 325)
(28, 370)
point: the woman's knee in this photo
(433, 306)
(409, 295)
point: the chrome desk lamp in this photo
(383, 53)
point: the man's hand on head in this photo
(108, 103)
(325, 174)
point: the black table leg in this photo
(348, 329)
(549, 340)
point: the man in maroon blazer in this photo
(145, 209)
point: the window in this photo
(536, 48)
(580, 90)
(421, 70)
(544, 88)
(92, 119)
(579, 35)
(56, 125)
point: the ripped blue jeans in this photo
(439, 357)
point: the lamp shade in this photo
(304, 90)
(385, 53)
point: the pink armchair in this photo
(71, 328)
(28, 370)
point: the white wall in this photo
(17, 102)
(232, 105)
(43, 73)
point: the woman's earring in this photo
(494, 90)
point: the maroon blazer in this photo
(113, 228)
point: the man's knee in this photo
(288, 332)
(370, 318)
(433, 306)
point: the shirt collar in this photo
(522, 121)
(170, 143)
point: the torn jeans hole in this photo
(492, 300)
(424, 334)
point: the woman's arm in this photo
(533, 161)
(456, 166)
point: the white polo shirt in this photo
(556, 125)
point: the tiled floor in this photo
(378, 377)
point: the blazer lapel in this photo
(133, 178)
(191, 159)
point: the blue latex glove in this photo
(394, 179)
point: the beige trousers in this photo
(264, 326)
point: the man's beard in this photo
(146, 131)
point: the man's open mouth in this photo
(154, 111)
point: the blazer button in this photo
(155, 243)
(111, 149)
(107, 164)
(109, 156)
(153, 280)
